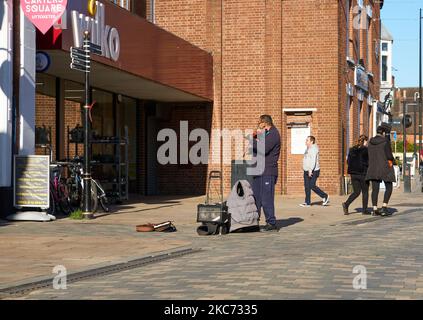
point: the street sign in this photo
(395, 136)
(79, 51)
(79, 68)
(32, 181)
(80, 59)
(96, 49)
(93, 48)
(85, 63)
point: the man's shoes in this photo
(326, 201)
(305, 205)
(269, 227)
(345, 207)
(375, 212)
(384, 212)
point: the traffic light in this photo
(408, 121)
(398, 123)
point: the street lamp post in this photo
(86, 206)
(405, 167)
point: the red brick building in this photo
(294, 60)
(308, 63)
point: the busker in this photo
(311, 167)
(380, 169)
(264, 184)
(358, 163)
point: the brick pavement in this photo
(311, 258)
(309, 264)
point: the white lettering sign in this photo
(101, 34)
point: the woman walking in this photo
(381, 169)
(358, 163)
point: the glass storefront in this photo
(45, 115)
(113, 119)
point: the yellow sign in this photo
(92, 7)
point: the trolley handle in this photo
(215, 174)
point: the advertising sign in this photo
(31, 181)
(361, 79)
(298, 139)
(43, 14)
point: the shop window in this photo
(385, 46)
(74, 98)
(127, 120)
(126, 4)
(384, 68)
(45, 115)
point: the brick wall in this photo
(45, 115)
(276, 55)
(184, 178)
(282, 54)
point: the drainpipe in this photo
(16, 51)
(152, 12)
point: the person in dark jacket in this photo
(358, 163)
(380, 169)
(264, 184)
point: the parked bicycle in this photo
(59, 193)
(76, 188)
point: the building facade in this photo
(387, 87)
(211, 65)
(312, 65)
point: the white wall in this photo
(388, 82)
(6, 86)
(27, 87)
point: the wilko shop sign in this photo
(43, 14)
(105, 36)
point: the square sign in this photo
(32, 182)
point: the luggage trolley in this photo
(214, 217)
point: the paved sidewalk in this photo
(30, 250)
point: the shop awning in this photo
(152, 63)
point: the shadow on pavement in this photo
(360, 210)
(288, 222)
(122, 209)
(4, 223)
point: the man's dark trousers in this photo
(264, 193)
(310, 184)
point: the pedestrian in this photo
(311, 167)
(380, 169)
(358, 163)
(421, 161)
(264, 184)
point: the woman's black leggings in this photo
(375, 191)
(359, 185)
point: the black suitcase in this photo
(214, 217)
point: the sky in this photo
(401, 17)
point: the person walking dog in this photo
(358, 163)
(311, 167)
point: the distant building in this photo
(386, 77)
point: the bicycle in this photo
(59, 193)
(76, 188)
